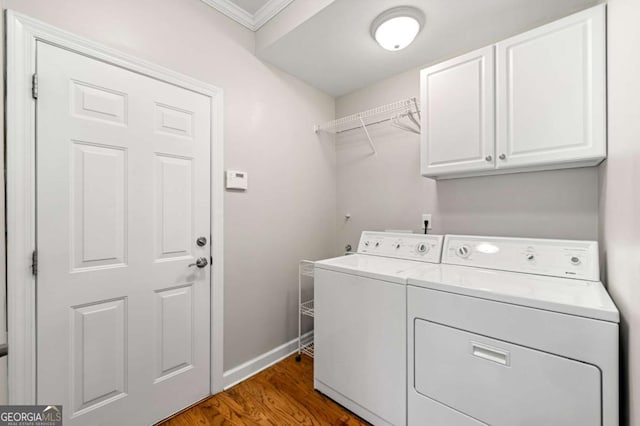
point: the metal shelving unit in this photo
(305, 269)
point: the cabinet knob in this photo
(502, 156)
(488, 158)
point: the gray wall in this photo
(288, 212)
(387, 192)
(620, 192)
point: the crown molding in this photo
(233, 11)
(241, 16)
(268, 11)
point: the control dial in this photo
(422, 248)
(530, 257)
(463, 251)
(575, 260)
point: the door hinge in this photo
(34, 263)
(34, 86)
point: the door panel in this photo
(175, 333)
(458, 102)
(123, 191)
(98, 103)
(173, 206)
(98, 205)
(551, 93)
(99, 342)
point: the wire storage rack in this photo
(305, 269)
(394, 113)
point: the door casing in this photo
(22, 33)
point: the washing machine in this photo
(360, 313)
(512, 332)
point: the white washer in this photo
(360, 323)
(511, 332)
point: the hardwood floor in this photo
(280, 395)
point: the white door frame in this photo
(22, 35)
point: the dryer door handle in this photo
(490, 353)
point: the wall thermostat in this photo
(237, 180)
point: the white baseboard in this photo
(242, 372)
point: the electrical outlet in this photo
(426, 216)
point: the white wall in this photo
(288, 212)
(387, 192)
(620, 197)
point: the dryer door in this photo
(502, 384)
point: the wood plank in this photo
(280, 395)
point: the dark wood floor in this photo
(281, 395)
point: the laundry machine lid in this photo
(569, 296)
(376, 267)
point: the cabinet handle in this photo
(502, 156)
(488, 158)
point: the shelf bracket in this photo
(366, 132)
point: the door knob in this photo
(201, 262)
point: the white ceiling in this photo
(333, 50)
(253, 14)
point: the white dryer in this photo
(360, 323)
(512, 332)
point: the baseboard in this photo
(242, 372)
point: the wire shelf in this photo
(307, 349)
(367, 117)
(306, 268)
(306, 308)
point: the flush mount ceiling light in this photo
(396, 28)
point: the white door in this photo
(123, 192)
(457, 98)
(551, 93)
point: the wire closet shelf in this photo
(394, 113)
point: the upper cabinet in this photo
(458, 114)
(533, 102)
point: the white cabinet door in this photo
(123, 188)
(551, 93)
(458, 114)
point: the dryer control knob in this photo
(531, 257)
(463, 251)
(575, 260)
(422, 248)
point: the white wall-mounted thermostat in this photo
(237, 180)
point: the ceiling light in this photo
(396, 28)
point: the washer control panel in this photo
(425, 248)
(558, 258)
